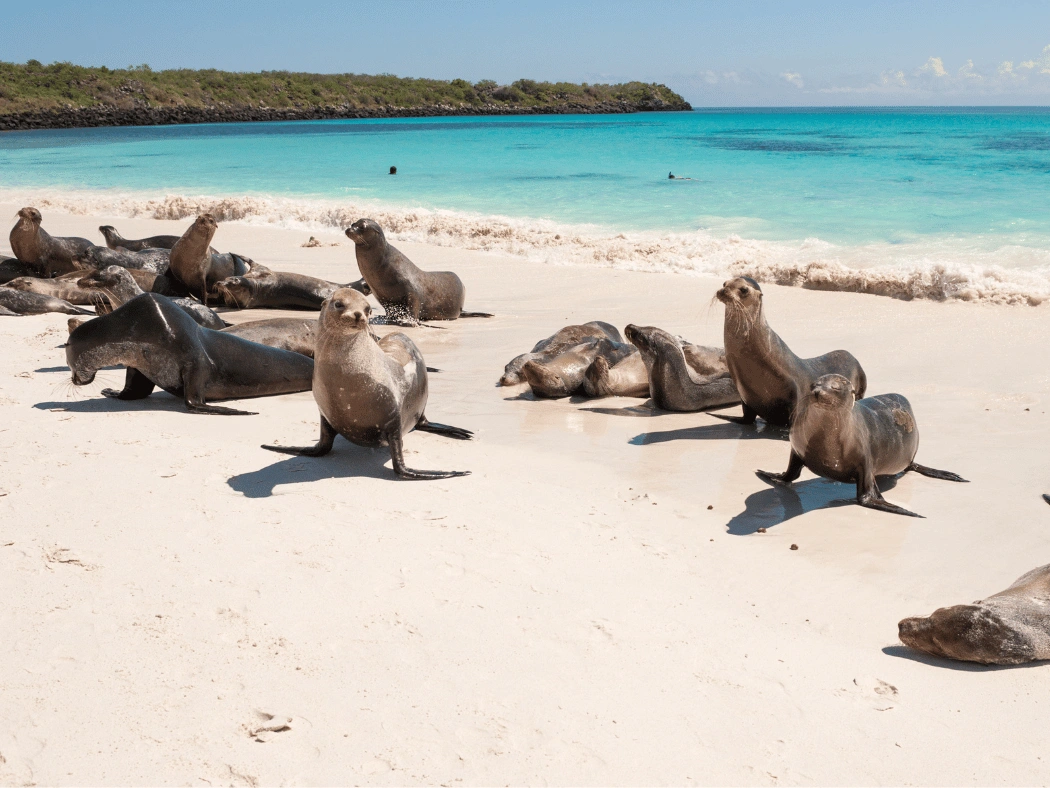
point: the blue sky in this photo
(714, 53)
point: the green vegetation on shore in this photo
(34, 87)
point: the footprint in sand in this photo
(876, 693)
(266, 725)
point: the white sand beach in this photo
(594, 605)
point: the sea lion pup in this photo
(565, 374)
(674, 384)
(372, 393)
(195, 265)
(23, 302)
(1008, 628)
(275, 290)
(768, 376)
(115, 286)
(162, 346)
(286, 333)
(155, 261)
(66, 287)
(408, 294)
(556, 343)
(115, 240)
(839, 437)
(48, 254)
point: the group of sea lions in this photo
(834, 430)
(152, 299)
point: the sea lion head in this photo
(366, 232)
(109, 232)
(30, 215)
(346, 310)
(832, 391)
(742, 292)
(238, 291)
(110, 276)
(649, 339)
(972, 633)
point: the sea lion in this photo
(286, 333)
(162, 346)
(49, 255)
(674, 383)
(565, 374)
(839, 437)
(114, 286)
(5, 312)
(275, 290)
(65, 287)
(407, 293)
(155, 261)
(195, 265)
(115, 240)
(1008, 628)
(767, 374)
(626, 378)
(22, 302)
(556, 343)
(13, 268)
(372, 393)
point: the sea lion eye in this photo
(339, 305)
(744, 290)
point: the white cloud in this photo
(966, 71)
(1006, 69)
(793, 78)
(934, 66)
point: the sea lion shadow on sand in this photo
(346, 462)
(710, 432)
(161, 400)
(903, 652)
(775, 505)
(645, 410)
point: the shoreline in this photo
(937, 271)
(106, 116)
(595, 605)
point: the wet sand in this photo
(594, 605)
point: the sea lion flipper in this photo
(322, 447)
(397, 454)
(217, 410)
(1046, 497)
(748, 417)
(475, 314)
(933, 473)
(444, 429)
(794, 470)
(868, 495)
(136, 386)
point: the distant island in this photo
(63, 95)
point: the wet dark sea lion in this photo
(275, 290)
(5, 312)
(115, 240)
(115, 286)
(674, 383)
(768, 376)
(155, 261)
(1008, 628)
(556, 343)
(48, 254)
(13, 268)
(839, 437)
(372, 393)
(22, 302)
(163, 347)
(286, 333)
(407, 293)
(195, 265)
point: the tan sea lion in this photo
(566, 373)
(839, 437)
(194, 264)
(162, 346)
(286, 333)
(48, 254)
(65, 287)
(22, 302)
(372, 393)
(1008, 628)
(768, 376)
(674, 383)
(407, 293)
(556, 343)
(114, 286)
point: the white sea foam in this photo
(938, 269)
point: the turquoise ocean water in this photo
(947, 202)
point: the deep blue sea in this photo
(959, 194)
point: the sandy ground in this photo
(594, 605)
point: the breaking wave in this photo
(945, 269)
